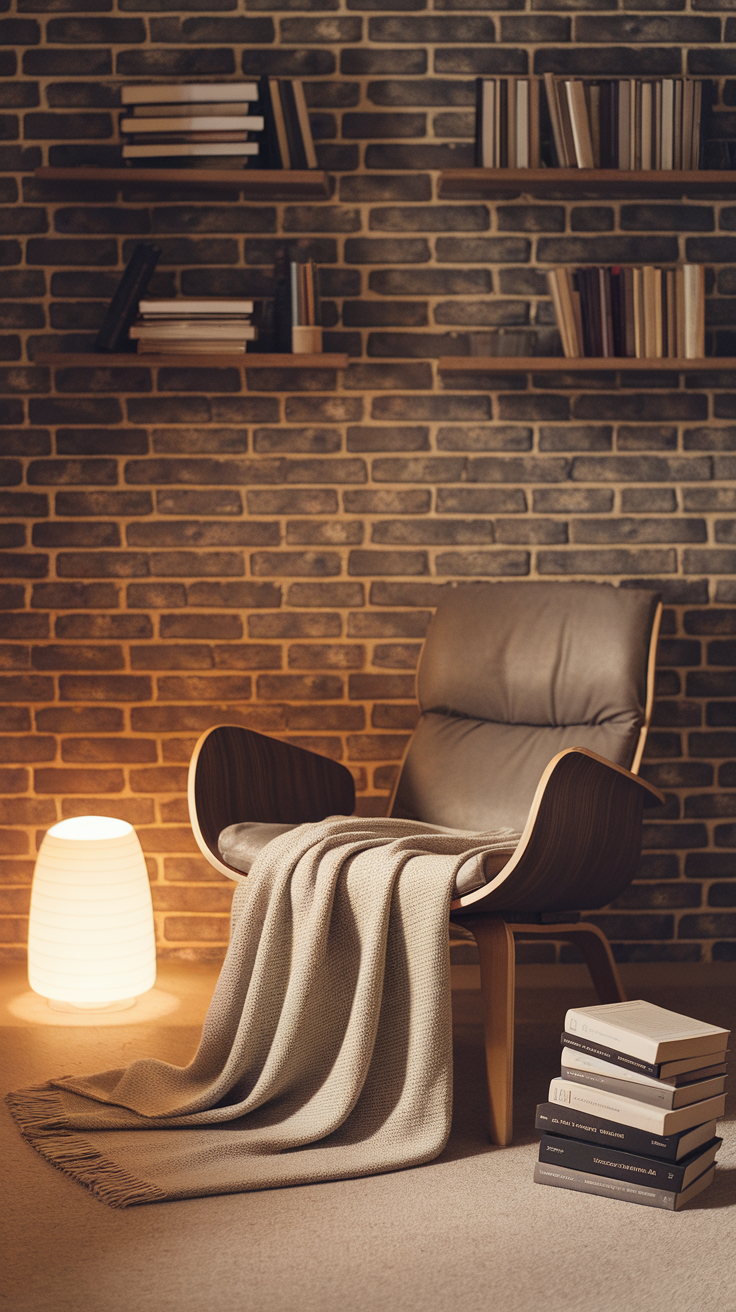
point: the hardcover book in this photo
(662, 1095)
(658, 1070)
(627, 1191)
(575, 1124)
(674, 1176)
(583, 1062)
(644, 1030)
(629, 1111)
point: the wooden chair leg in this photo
(495, 941)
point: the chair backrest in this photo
(511, 674)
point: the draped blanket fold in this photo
(326, 1051)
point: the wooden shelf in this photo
(101, 359)
(556, 364)
(484, 184)
(258, 184)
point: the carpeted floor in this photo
(468, 1233)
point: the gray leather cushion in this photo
(538, 653)
(511, 674)
(240, 844)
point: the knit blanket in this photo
(326, 1052)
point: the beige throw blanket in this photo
(326, 1051)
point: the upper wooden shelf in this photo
(482, 184)
(219, 361)
(260, 184)
(556, 364)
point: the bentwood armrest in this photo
(581, 842)
(236, 774)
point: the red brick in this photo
(137, 811)
(164, 779)
(78, 781)
(197, 929)
(376, 746)
(122, 750)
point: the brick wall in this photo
(178, 550)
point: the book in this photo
(574, 1124)
(185, 110)
(627, 1191)
(194, 123)
(658, 1070)
(190, 148)
(582, 1061)
(195, 305)
(644, 1030)
(553, 106)
(630, 1111)
(188, 92)
(578, 111)
(304, 127)
(619, 1165)
(693, 310)
(220, 332)
(194, 347)
(113, 332)
(656, 1095)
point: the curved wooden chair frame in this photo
(579, 849)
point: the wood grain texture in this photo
(581, 843)
(231, 360)
(500, 364)
(258, 184)
(597, 184)
(236, 774)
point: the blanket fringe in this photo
(40, 1118)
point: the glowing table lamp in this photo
(91, 941)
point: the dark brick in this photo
(710, 621)
(173, 63)
(288, 63)
(606, 562)
(707, 926)
(328, 532)
(103, 626)
(324, 625)
(610, 61)
(368, 61)
(480, 60)
(77, 410)
(326, 594)
(576, 437)
(380, 502)
(709, 439)
(418, 156)
(76, 535)
(590, 218)
(662, 499)
(430, 282)
(639, 530)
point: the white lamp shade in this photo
(91, 938)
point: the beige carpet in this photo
(470, 1232)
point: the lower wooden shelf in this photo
(483, 184)
(101, 359)
(556, 364)
(256, 184)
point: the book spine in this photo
(280, 123)
(584, 1183)
(571, 1123)
(553, 108)
(594, 1049)
(305, 128)
(580, 125)
(629, 1111)
(581, 1156)
(694, 310)
(478, 145)
(658, 1097)
(534, 124)
(562, 321)
(123, 307)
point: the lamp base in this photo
(91, 1008)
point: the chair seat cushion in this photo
(240, 844)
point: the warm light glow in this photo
(91, 938)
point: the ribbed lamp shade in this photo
(91, 938)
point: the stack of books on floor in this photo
(643, 313)
(190, 125)
(194, 327)
(628, 123)
(633, 1113)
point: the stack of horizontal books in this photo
(644, 313)
(190, 124)
(194, 327)
(627, 123)
(633, 1113)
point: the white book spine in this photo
(628, 1111)
(668, 124)
(165, 150)
(522, 124)
(694, 310)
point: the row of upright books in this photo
(590, 123)
(633, 1113)
(642, 313)
(210, 125)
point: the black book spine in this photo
(269, 156)
(580, 1156)
(617, 311)
(113, 334)
(479, 122)
(553, 1119)
(610, 1054)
